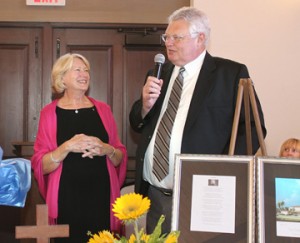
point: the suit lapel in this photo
(202, 89)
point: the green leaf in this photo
(122, 240)
(156, 236)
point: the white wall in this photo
(265, 35)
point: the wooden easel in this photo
(42, 231)
(246, 89)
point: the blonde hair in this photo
(290, 143)
(60, 67)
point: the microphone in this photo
(159, 60)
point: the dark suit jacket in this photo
(210, 117)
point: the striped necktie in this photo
(163, 135)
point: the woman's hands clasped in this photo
(89, 146)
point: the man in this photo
(204, 117)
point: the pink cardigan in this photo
(46, 141)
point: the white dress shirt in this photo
(190, 76)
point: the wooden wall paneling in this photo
(10, 217)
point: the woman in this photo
(79, 161)
(290, 148)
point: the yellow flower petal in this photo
(132, 239)
(131, 206)
(145, 238)
(103, 237)
(172, 237)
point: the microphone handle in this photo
(157, 70)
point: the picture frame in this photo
(278, 188)
(227, 177)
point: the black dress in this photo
(84, 189)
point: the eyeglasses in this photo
(292, 150)
(176, 38)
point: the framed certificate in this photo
(214, 198)
(278, 199)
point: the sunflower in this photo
(103, 237)
(130, 207)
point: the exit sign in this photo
(46, 2)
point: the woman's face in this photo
(291, 152)
(78, 77)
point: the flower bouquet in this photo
(129, 208)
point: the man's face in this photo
(183, 46)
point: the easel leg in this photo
(246, 89)
(256, 119)
(247, 120)
(236, 118)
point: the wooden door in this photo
(134, 78)
(20, 85)
(119, 62)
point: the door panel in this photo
(101, 70)
(135, 76)
(100, 47)
(20, 84)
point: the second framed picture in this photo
(278, 197)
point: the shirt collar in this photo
(192, 66)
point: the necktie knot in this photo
(181, 70)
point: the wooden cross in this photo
(42, 231)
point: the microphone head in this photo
(159, 58)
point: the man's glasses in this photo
(177, 38)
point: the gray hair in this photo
(198, 21)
